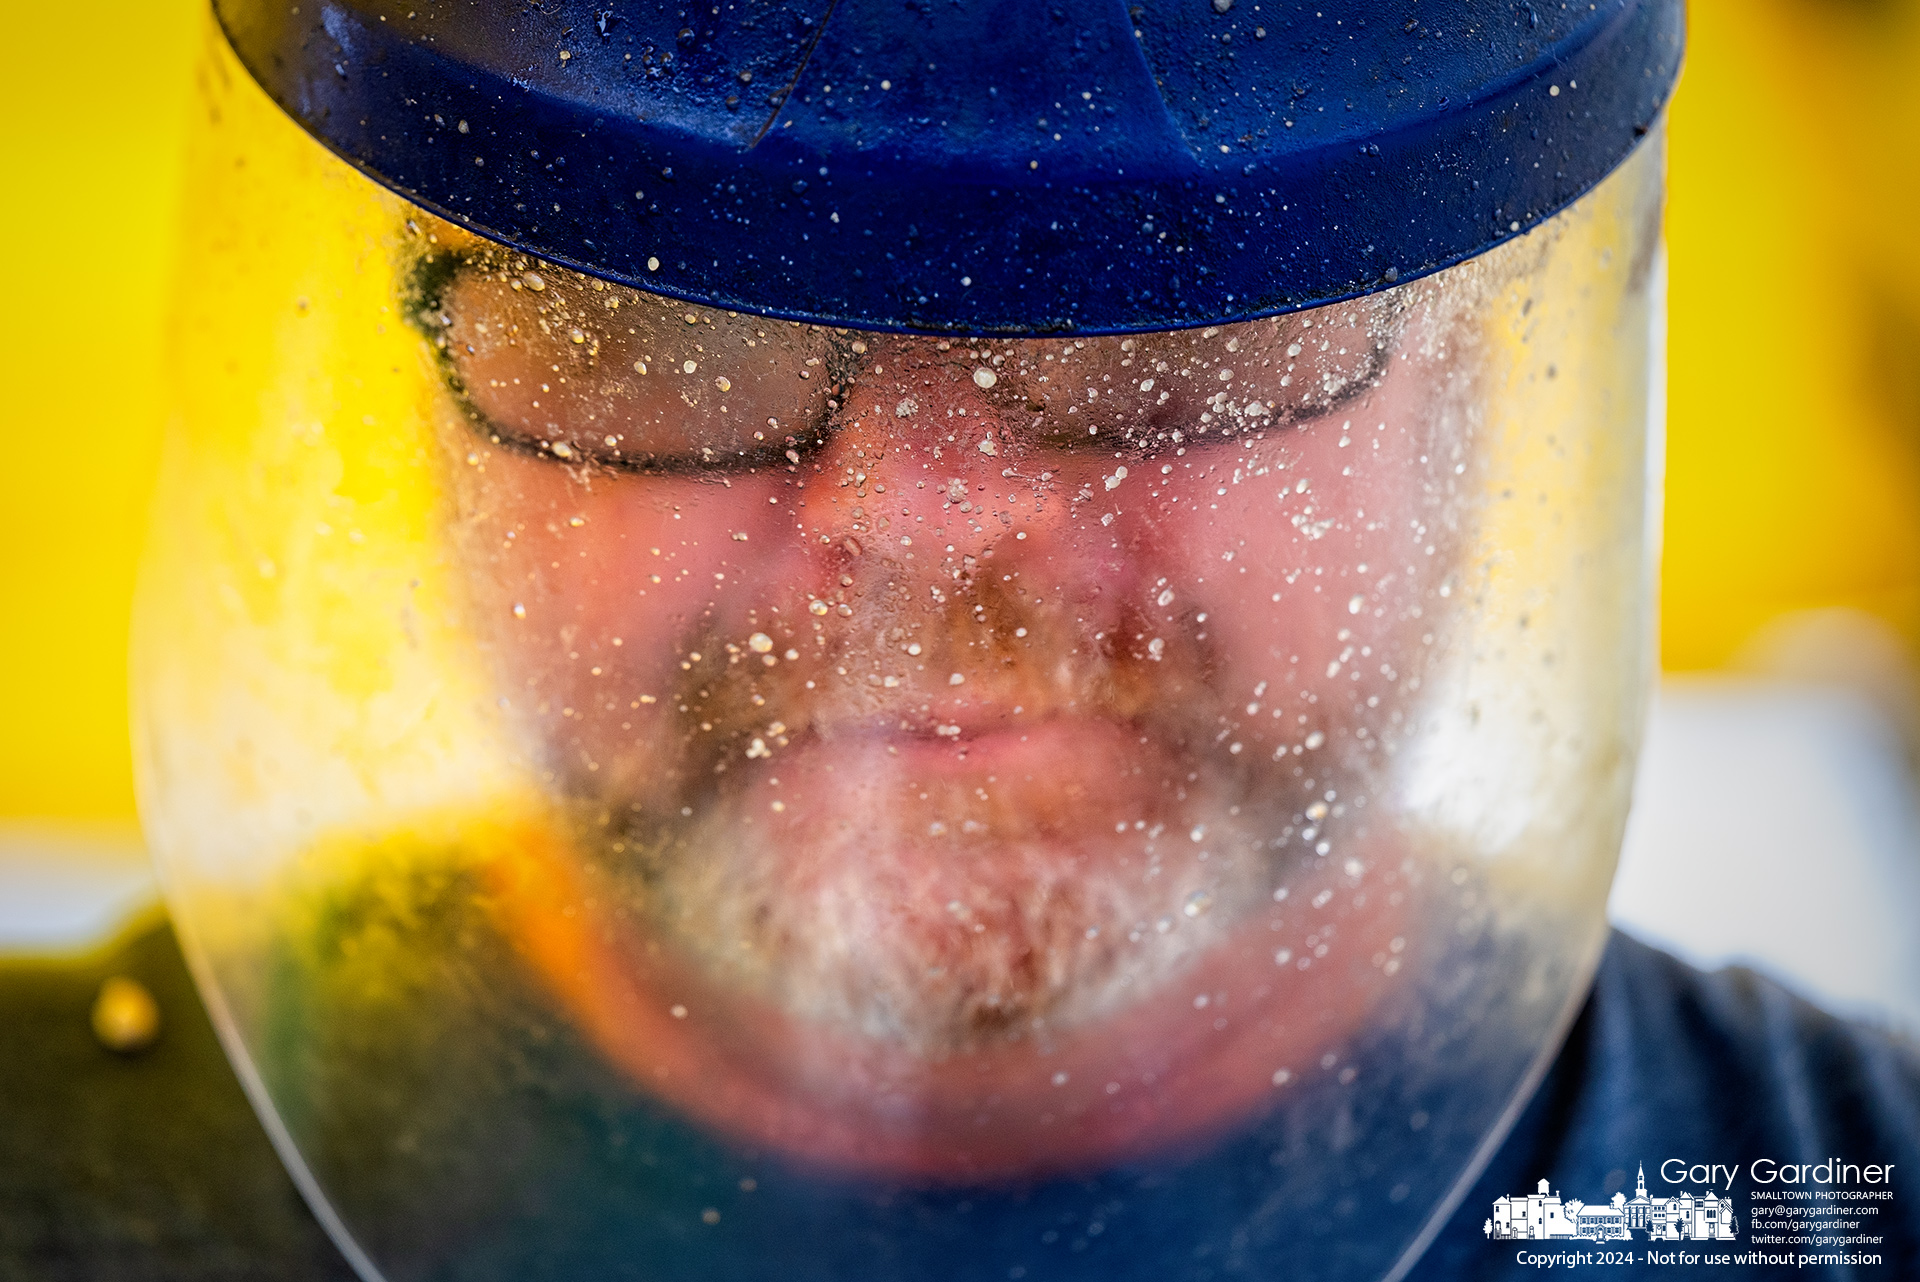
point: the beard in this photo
(941, 906)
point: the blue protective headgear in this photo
(984, 167)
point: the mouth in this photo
(1031, 950)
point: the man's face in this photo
(974, 737)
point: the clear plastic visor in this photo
(651, 787)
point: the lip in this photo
(1209, 1048)
(1034, 760)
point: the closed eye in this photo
(1148, 392)
(555, 364)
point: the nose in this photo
(926, 468)
(938, 523)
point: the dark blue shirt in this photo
(1722, 1069)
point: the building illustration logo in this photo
(1538, 1216)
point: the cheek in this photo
(661, 562)
(596, 589)
(1299, 554)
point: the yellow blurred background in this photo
(1794, 360)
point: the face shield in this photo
(657, 785)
